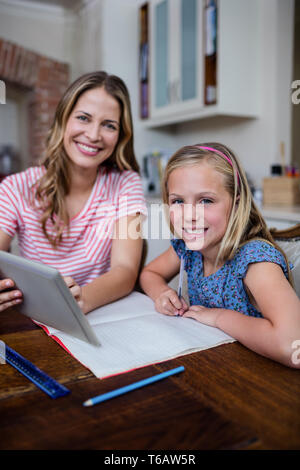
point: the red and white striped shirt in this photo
(84, 252)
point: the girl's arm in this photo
(120, 280)
(154, 281)
(276, 334)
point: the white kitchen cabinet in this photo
(176, 72)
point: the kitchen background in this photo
(45, 44)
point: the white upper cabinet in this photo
(177, 48)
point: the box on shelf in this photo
(281, 190)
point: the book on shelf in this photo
(210, 56)
(144, 62)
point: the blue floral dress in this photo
(225, 288)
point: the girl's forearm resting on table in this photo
(259, 335)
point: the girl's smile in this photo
(200, 206)
(193, 233)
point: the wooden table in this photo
(227, 398)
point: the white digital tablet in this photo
(46, 297)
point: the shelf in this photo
(213, 111)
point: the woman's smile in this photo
(88, 149)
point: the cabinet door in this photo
(176, 56)
(160, 53)
(188, 49)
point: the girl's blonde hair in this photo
(54, 184)
(245, 221)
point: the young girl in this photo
(73, 211)
(238, 278)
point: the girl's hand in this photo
(169, 303)
(9, 298)
(205, 315)
(75, 290)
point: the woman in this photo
(74, 211)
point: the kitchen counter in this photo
(289, 213)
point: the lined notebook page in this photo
(133, 335)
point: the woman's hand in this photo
(205, 315)
(9, 297)
(169, 303)
(76, 291)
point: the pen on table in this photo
(133, 386)
(179, 290)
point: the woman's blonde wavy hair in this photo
(54, 185)
(245, 221)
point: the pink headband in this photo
(211, 149)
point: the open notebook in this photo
(133, 335)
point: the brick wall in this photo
(44, 79)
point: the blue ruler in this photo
(33, 373)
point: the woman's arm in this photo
(8, 296)
(120, 280)
(5, 241)
(154, 281)
(275, 334)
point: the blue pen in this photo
(134, 386)
(179, 291)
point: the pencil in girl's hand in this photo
(179, 290)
